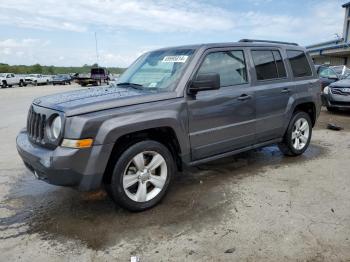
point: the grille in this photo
(36, 125)
(338, 91)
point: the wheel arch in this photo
(309, 108)
(165, 135)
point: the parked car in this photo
(97, 76)
(10, 79)
(37, 79)
(173, 107)
(61, 80)
(337, 95)
(331, 74)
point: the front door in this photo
(222, 120)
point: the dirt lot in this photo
(257, 205)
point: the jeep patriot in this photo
(171, 108)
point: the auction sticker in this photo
(175, 59)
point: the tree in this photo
(51, 70)
(37, 69)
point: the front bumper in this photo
(80, 168)
(335, 101)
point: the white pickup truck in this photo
(10, 79)
(37, 79)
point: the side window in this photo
(324, 73)
(281, 70)
(230, 65)
(299, 63)
(332, 74)
(268, 64)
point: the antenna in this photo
(96, 48)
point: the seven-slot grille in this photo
(36, 125)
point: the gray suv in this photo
(171, 108)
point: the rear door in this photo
(222, 120)
(272, 92)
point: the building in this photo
(334, 52)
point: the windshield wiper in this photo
(133, 85)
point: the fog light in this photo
(80, 143)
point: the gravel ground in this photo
(258, 205)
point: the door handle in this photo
(244, 97)
(285, 91)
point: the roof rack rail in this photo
(266, 41)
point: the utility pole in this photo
(96, 48)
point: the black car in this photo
(337, 95)
(61, 80)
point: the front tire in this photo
(298, 135)
(142, 175)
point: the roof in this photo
(233, 44)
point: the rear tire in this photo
(298, 135)
(142, 175)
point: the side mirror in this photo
(204, 82)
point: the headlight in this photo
(56, 127)
(326, 90)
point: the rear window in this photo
(299, 63)
(268, 64)
(98, 71)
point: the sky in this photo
(62, 32)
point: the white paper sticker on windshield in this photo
(175, 59)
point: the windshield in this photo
(2, 75)
(341, 70)
(157, 70)
(338, 69)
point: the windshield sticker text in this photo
(175, 59)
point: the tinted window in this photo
(281, 70)
(268, 64)
(300, 65)
(265, 65)
(230, 65)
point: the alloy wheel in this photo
(300, 133)
(145, 176)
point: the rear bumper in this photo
(80, 168)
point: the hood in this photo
(99, 98)
(341, 83)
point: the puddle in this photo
(200, 197)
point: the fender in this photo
(171, 113)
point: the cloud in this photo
(156, 16)
(171, 22)
(11, 47)
(168, 16)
